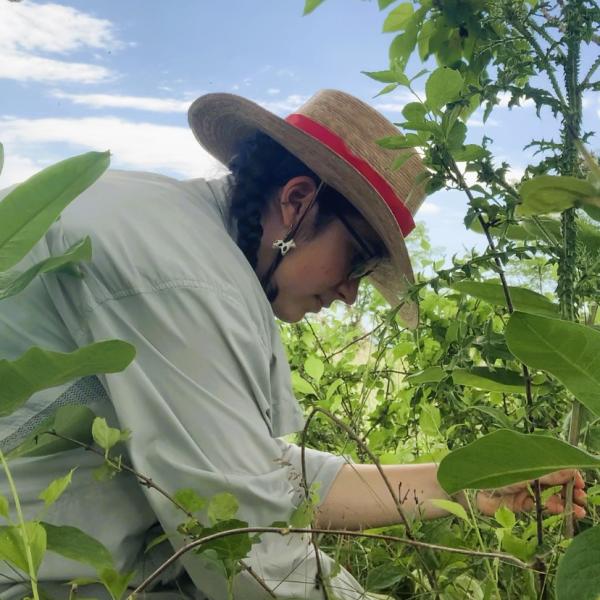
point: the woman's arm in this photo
(360, 499)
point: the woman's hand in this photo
(518, 497)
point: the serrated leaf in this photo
(552, 193)
(505, 457)
(55, 489)
(303, 514)
(453, 508)
(505, 517)
(13, 282)
(522, 299)
(28, 211)
(190, 499)
(40, 369)
(72, 421)
(398, 18)
(443, 86)
(578, 576)
(569, 351)
(482, 378)
(314, 367)
(106, 437)
(222, 507)
(75, 544)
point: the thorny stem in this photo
(508, 558)
(365, 448)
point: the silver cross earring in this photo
(284, 247)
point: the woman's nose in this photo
(348, 290)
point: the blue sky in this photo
(80, 75)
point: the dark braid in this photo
(261, 166)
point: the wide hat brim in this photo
(221, 121)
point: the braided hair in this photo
(259, 167)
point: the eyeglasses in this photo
(363, 264)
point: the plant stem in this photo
(15, 495)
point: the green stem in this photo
(15, 495)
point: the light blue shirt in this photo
(207, 397)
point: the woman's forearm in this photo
(360, 499)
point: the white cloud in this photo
(119, 101)
(142, 146)
(429, 208)
(286, 105)
(28, 29)
(17, 168)
(391, 106)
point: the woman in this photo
(193, 273)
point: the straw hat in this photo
(334, 134)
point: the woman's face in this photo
(316, 271)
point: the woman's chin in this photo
(289, 312)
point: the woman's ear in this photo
(295, 198)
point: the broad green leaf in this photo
(12, 547)
(469, 152)
(222, 507)
(72, 421)
(552, 193)
(105, 436)
(310, 5)
(40, 369)
(398, 18)
(495, 413)
(453, 508)
(314, 367)
(578, 575)
(190, 499)
(505, 517)
(13, 282)
(430, 419)
(28, 211)
(428, 375)
(231, 548)
(402, 46)
(443, 86)
(387, 89)
(569, 351)
(505, 457)
(115, 582)
(383, 4)
(383, 577)
(482, 378)
(332, 388)
(382, 76)
(301, 386)
(53, 492)
(75, 544)
(4, 506)
(303, 514)
(523, 299)
(414, 111)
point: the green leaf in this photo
(106, 437)
(383, 577)
(190, 499)
(383, 4)
(569, 351)
(13, 282)
(222, 507)
(53, 492)
(398, 18)
(39, 369)
(505, 457)
(482, 378)
(310, 5)
(303, 514)
(523, 299)
(383, 76)
(578, 576)
(12, 547)
(231, 548)
(75, 544)
(505, 517)
(72, 421)
(469, 152)
(402, 46)
(414, 111)
(399, 142)
(301, 386)
(495, 413)
(28, 211)
(443, 86)
(453, 508)
(314, 367)
(430, 419)
(428, 375)
(4, 507)
(115, 582)
(552, 193)
(387, 89)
